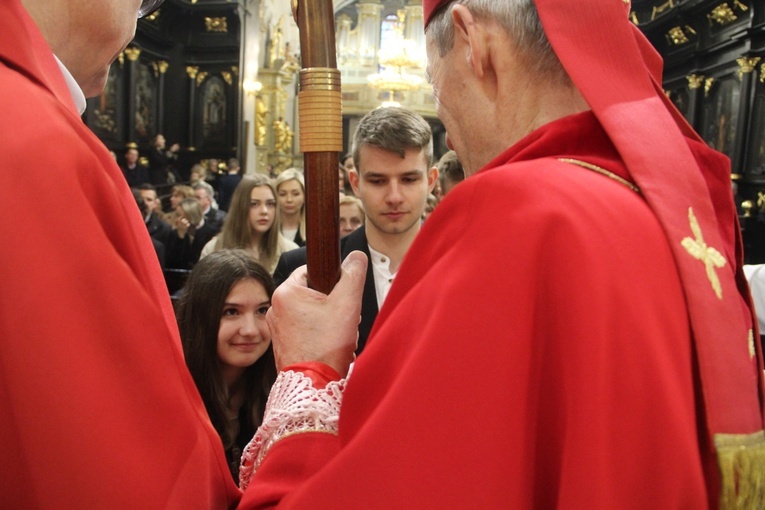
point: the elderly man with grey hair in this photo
(214, 217)
(98, 409)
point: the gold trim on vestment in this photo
(741, 458)
(601, 171)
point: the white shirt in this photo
(383, 277)
(755, 275)
(78, 96)
(289, 233)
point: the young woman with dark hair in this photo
(227, 344)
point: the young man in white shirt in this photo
(393, 175)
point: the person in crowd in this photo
(158, 228)
(135, 173)
(290, 193)
(450, 172)
(190, 234)
(206, 197)
(196, 174)
(394, 151)
(213, 170)
(177, 194)
(101, 412)
(346, 165)
(159, 247)
(618, 323)
(341, 180)
(227, 344)
(228, 183)
(252, 224)
(429, 206)
(351, 215)
(161, 161)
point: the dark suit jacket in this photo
(356, 240)
(158, 229)
(226, 185)
(214, 219)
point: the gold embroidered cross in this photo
(699, 250)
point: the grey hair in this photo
(393, 129)
(205, 186)
(519, 19)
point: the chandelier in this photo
(398, 55)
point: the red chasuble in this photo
(534, 352)
(97, 409)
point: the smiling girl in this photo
(227, 344)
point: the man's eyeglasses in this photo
(148, 6)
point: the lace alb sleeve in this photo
(294, 407)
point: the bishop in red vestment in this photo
(570, 329)
(97, 407)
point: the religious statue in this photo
(287, 138)
(291, 63)
(280, 135)
(261, 111)
(275, 48)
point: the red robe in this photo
(97, 409)
(534, 352)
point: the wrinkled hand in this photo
(307, 325)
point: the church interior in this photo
(220, 78)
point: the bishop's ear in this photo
(470, 37)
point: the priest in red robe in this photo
(571, 329)
(97, 408)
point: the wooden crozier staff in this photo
(321, 138)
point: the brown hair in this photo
(237, 231)
(394, 130)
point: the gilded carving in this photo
(216, 24)
(261, 113)
(153, 16)
(660, 9)
(634, 18)
(695, 81)
(162, 66)
(192, 71)
(280, 135)
(747, 207)
(227, 77)
(132, 53)
(746, 65)
(762, 73)
(708, 84)
(722, 14)
(676, 36)
(201, 77)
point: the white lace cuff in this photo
(294, 407)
